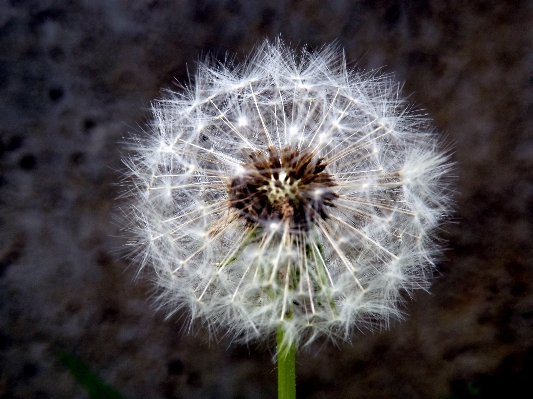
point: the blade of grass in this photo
(91, 383)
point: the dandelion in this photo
(287, 195)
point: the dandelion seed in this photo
(242, 121)
(288, 191)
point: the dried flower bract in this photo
(287, 191)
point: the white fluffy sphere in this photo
(287, 191)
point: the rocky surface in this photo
(76, 77)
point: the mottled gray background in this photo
(76, 76)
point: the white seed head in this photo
(287, 191)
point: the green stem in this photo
(286, 368)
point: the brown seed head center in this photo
(289, 185)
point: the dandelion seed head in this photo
(290, 191)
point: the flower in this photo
(287, 191)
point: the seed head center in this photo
(287, 185)
(281, 188)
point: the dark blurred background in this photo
(77, 76)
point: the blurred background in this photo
(76, 77)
